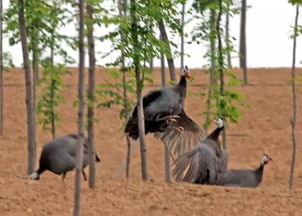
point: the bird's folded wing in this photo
(230, 178)
(179, 141)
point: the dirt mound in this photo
(264, 128)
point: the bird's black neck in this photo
(183, 80)
(259, 172)
(215, 134)
(182, 85)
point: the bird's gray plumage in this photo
(169, 102)
(245, 177)
(59, 156)
(203, 163)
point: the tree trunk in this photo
(35, 65)
(126, 116)
(1, 71)
(139, 83)
(31, 136)
(294, 102)
(79, 150)
(53, 82)
(52, 93)
(227, 35)
(213, 76)
(35, 62)
(163, 69)
(122, 6)
(169, 55)
(35, 54)
(182, 41)
(166, 151)
(91, 89)
(242, 43)
(151, 62)
(128, 158)
(221, 64)
(151, 65)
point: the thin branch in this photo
(294, 101)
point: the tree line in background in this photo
(140, 31)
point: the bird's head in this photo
(265, 159)
(219, 122)
(185, 72)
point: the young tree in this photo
(222, 101)
(91, 96)
(35, 50)
(207, 32)
(213, 46)
(53, 81)
(126, 109)
(163, 68)
(242, 43)
(79, 150)
(122, 6)
(182, 41)
(164, 37)
(139, 83)
(31, 135)
(151, 62)
(166, 150)
(1, 70)
(220, 62)
(227, 34)
(213, 66)
(294, 97)
(151, 65)
(51, 84)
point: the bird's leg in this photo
(63, 176)
(84, 175)
(169, 151)
(168, 118)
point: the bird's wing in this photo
(222, 162)
(196, 165)
(178, 141)
(151, 96)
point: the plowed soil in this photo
(263, 128)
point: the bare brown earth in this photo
(263, 128)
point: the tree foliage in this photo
(293, 2)
(44, 21)
(219, 104)
(50, 94)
